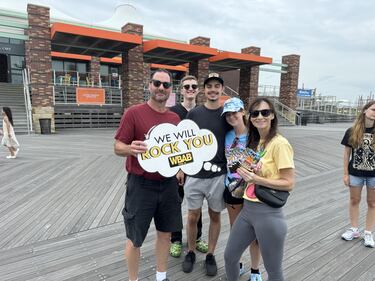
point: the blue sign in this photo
(304, 93)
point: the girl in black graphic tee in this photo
(359, 170)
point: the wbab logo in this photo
(171, 148)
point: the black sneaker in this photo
(188, 264)
(210, 265)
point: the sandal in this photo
(202, 246)
(176, 249)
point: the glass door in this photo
(3, 68)
(17, 63)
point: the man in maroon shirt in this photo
(148, 195)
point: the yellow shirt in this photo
(279, 155)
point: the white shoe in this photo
(15, 153)
(369, 240)
(11, 157)
(350, 234)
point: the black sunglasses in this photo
(264, 112)
(157, 84)
(193, 86)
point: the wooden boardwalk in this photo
(61, 202)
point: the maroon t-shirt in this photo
(135, 124)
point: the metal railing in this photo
(286, 112)
(228, 91)
(268, 90)
(65, 94)
(327, 106)
(74, 78)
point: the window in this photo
(4, 40)
(103, 69)
(69, 66)
(17, 63)
(58, 65)
(81, 67)
(16, 41)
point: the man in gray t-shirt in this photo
(207, 185)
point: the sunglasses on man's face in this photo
(157, 84)
(193, 86)
(264, 112)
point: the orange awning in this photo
(68, 38)
(172, 53)
(225, 61)
(70, 56)
(181, 68)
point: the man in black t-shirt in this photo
(209, 182)
(189, 91)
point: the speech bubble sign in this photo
(171, 148)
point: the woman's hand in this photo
(346, 180)
(248, 176)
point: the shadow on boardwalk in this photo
(61, 201)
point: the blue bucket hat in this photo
(233, 105)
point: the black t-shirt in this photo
(212, 120)
(180, 110)
(362, 161)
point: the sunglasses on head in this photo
(157, 84)
(264, 112)
(193, 86)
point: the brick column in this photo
(249, 78)
(132, 69)
(289, 81)
(200, 68)
(95, 69)
(146, 73)
(39, 62)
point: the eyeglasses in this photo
(193, 86)
(157, 84)
(264, 112)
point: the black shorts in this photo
(229, 199)
(149, 199)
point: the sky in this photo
(335, 39)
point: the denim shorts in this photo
(361, 181)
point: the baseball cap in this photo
(233, 105)
(213, 76)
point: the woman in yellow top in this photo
(258, 220)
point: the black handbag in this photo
(272, 197)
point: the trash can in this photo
(45, 125)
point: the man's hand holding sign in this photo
(170, 148)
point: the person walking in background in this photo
(189, 91)
(360, 171)
(258, 220)
(237, 139)
(9, 138)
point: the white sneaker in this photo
(255, 277)
(11, 157)
(369, 240)
(350, 234)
